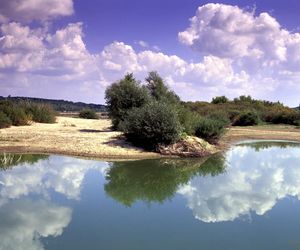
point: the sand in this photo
(94, 138)
(71, 136)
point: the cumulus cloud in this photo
(239, 53)
(24, 221)
(254, 182)
(29, 10)
(63, 175)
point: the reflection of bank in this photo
(256, 178)
(156, 180)
(27, 211)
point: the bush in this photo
(247, 118)
(153, 124)
(219, 99)
(221, 116)
(42, 113)
(123, 96)
(187, 119)
(284, 116)
(88, 114)
(209, 129)
(5, 122)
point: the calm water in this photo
(246, 199)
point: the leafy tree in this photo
(122, 96)
(159, 90)
(219, 99)
(88, 114)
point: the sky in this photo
(74, 49)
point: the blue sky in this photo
(73, 50)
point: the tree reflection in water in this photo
(156, 180)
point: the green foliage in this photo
(247, 118)
(159, 90)
(188, 120)
(15, 112)
(10, 160)
(122, 96)
(21, 113)
(88, 114)
(210, 129)
(219, 99)
(156, 180)
(5, 122)
(58, 105)
(153, 124)
(42, 113)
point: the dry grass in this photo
(71, 136)
(94, 138)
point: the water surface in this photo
(247, 198)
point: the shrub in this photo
(42, 113)
(123, 96)
(247, 118)
(17, 115)
(153, 124)
(219, 99)
(188, 119)
(159, 90)
(5, 122)
(209, 129)
(88, 114)
(221, 116)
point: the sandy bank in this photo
(71, 136)
(94, 138)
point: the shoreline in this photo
(95, 140)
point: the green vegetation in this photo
(152, 124)
(58, 105)
(156, 180)
(210, 129)
(247, 118)
(10, 160)
(21, 113)
(245, 110)
(88, 114)
(122, 96)
(152, 114)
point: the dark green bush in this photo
(283, 116)
(209, 129)
(221, 116)
(188, 119)
(219, 99)
(153, 124)
(88, 114)
(5, 122)
(42, 113)
(247, 118)
(123, 96)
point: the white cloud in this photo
(29, 10)
(253, 182)
(24, 221)
(239, 53)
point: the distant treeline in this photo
(59, 105)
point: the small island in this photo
(142, 121)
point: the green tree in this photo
(153, 124)
(219, 99)
(122, 96)
(159, 90)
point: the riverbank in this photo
(71, 136)
(94, 138)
